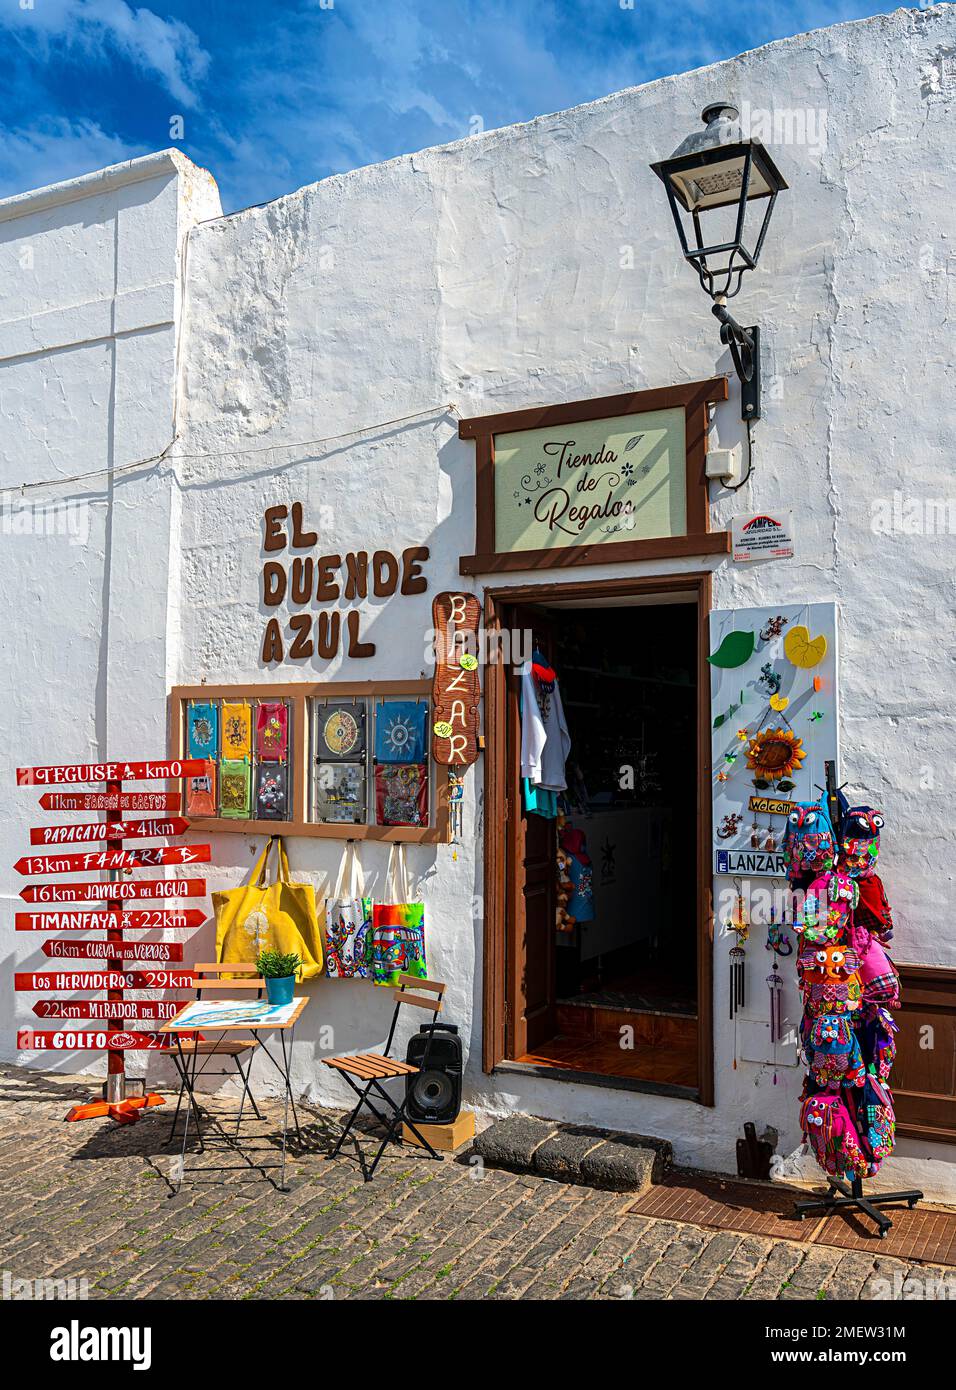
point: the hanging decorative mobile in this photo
(777, 939)
(739, 924)
(775, 983)
(456, 801)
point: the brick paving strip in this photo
(91, 1201)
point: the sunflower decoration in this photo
(774, 756)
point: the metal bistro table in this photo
(223, 1017)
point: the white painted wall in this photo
(90, 312)
(491, 273)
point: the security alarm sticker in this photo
(762, 536)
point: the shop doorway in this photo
(600, 935)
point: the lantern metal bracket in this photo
(744, 344)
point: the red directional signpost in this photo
(157, 919)
(93, 860)
(111, 801)
(114, 953)
(106, 830)
(113, 950)
(86, 893)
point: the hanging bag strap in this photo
(396, 877)
(283, 857)
(259, 872)
(351, 880)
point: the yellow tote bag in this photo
(278, 916)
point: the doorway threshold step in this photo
(581, 1154)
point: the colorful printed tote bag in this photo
(398, 928)
(400, 731)
(235, 786)
(202, 729)
(348, 923)
(201, 793)
(272, 731)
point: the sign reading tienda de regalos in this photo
(594, 481)
(293, 574)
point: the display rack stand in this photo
(841, 1195)
(114, 1102)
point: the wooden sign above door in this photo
(615, 478)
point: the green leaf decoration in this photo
(632, 443)
(785, 786)
(734, 650)
(761, 784)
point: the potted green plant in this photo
(279, 971)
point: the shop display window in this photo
(333, 760)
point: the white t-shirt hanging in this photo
(545, 741)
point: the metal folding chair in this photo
(372, 1068)
(209, 976)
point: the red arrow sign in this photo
(132, 1010)
(155, 919)
(71, 1041)
(124, 888)
(111, 801)
(109, 772)
(40, 982)
(110, 950)
(112, 859)
(102, 830)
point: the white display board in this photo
(787, 681)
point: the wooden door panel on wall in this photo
(924, 1074)
(530, 935)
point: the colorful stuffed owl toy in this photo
(873, 910)
(879, 978)
(809, 845)
(827, 909)
(876, 1029)
(860, 828)
(832, 1050)
(876, 1121)
(830, 980)
(829, 1130)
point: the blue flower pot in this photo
(280, 991)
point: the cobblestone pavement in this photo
(91, 1201)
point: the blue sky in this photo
(276, 94)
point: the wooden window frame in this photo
(498, 809)
(694, 397)
(298, 694)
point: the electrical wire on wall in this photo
(750, 459)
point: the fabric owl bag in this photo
(809, 844)
(398, 927)
(348, 923)
(276, 916)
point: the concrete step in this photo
(574, 1153)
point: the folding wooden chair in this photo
(209, 977)
(373, 1068)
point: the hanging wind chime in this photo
(456, 802)
(739, 924)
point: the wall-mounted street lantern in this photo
(716, 168)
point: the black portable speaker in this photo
(434, 1094)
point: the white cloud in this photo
(57, 148)
(165, 48)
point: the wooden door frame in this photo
(498, 810)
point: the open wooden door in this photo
(530, 875)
